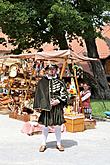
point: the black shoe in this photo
(60, 148)
(42, 148)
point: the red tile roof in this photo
(103, 47)
(4, 49)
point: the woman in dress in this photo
(85, 97)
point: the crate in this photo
(13, 115)
(89, 124)
(74, 123)
(23, 117)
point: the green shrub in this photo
(99, 107)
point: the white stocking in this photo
(58, 134)
(44, 135)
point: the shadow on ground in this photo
(65, 143)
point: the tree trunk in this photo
(62, 41)
(98, 70)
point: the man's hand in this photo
(54, 102)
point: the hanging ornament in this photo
(78, 71)
(72, 89)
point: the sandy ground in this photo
(91, 147)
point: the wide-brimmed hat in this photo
(51, 66)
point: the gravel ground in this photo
(91, 147)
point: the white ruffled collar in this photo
(51, 77)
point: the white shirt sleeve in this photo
(86, 96)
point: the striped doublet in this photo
(57, 89)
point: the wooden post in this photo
(63, 68)
(77, 85)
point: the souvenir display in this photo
(13, 70)
(17, 83)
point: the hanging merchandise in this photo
(67, 72)
(39, 67)
(23, 65)
(78, 71)
(72, 90)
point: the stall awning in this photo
(62, 54)
(55, 55)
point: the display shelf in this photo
(21, 89)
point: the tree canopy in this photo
(30, 23)
(25, 22)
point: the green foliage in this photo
(99, 107)
(31, 23)
(2, 40)
(93, 17)
(25, 22)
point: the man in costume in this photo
(51, 97)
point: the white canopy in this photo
(55, 55)
(61, 54)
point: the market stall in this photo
(23, 75)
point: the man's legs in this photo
(58, 137)
(58, 134)
(44, 139)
